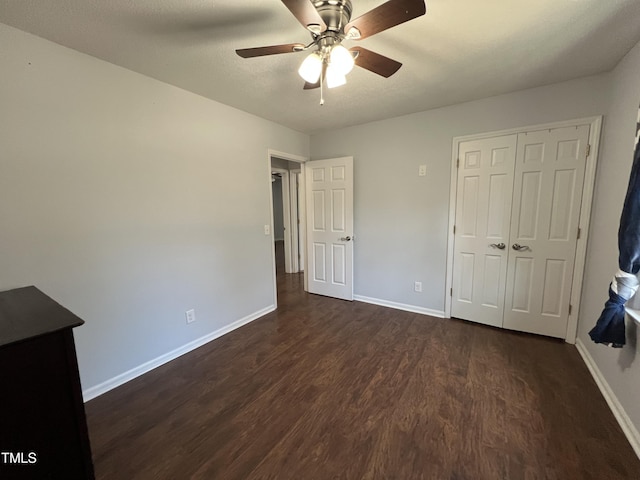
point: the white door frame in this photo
(302, 224)
(286, 207)
(595, 124)
(294, 216)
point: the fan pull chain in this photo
(321, 89)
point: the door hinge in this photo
(451, 292)
(579, 232)
(570, 308)
(458, 163)
(454, 229)
(588, 149)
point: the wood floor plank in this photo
(328, 389)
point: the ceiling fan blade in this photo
(306, 14)
(374, 62)
(387, 15)
(271, 50)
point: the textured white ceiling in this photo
(460, 50)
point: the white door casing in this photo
(329, 202)
(301, 221)
(483, 213)
(295, 222)
(549, 177)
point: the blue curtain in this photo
(610, 327)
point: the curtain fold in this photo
(610, 327)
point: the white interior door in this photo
(548, 186)
(329, 201)
(483, 212)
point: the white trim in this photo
(301, 226)
(302, 195)
(293, 222)
(453, 192)
(531, 128)
(400, 306)
(285, 156)
(629, 429)
(595, 127)
(104, 387)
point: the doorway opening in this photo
(286, 178)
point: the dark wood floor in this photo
(328, 389)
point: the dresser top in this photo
(27, 312)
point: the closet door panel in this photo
(483, 215)
(548, 183)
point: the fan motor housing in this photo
(335, 13)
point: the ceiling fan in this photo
(329, 22)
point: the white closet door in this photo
(483, 212)
(549, 176)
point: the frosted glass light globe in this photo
(311, 68)
(341, 59)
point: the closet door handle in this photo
(519, 247)
(501, 246)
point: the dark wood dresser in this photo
(43, 428)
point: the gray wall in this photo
(620, 368)
(117, 198)
(401, 219)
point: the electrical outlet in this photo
(190, 315)
(417, 286)
(267, 229)
(422, 171)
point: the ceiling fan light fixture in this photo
(334, 77)
(341, 60)
(311, 68)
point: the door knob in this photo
(345, 239)
(519, 247)
(500, 245)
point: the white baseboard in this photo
(629, 429)
(104, 387)
(400, 306)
